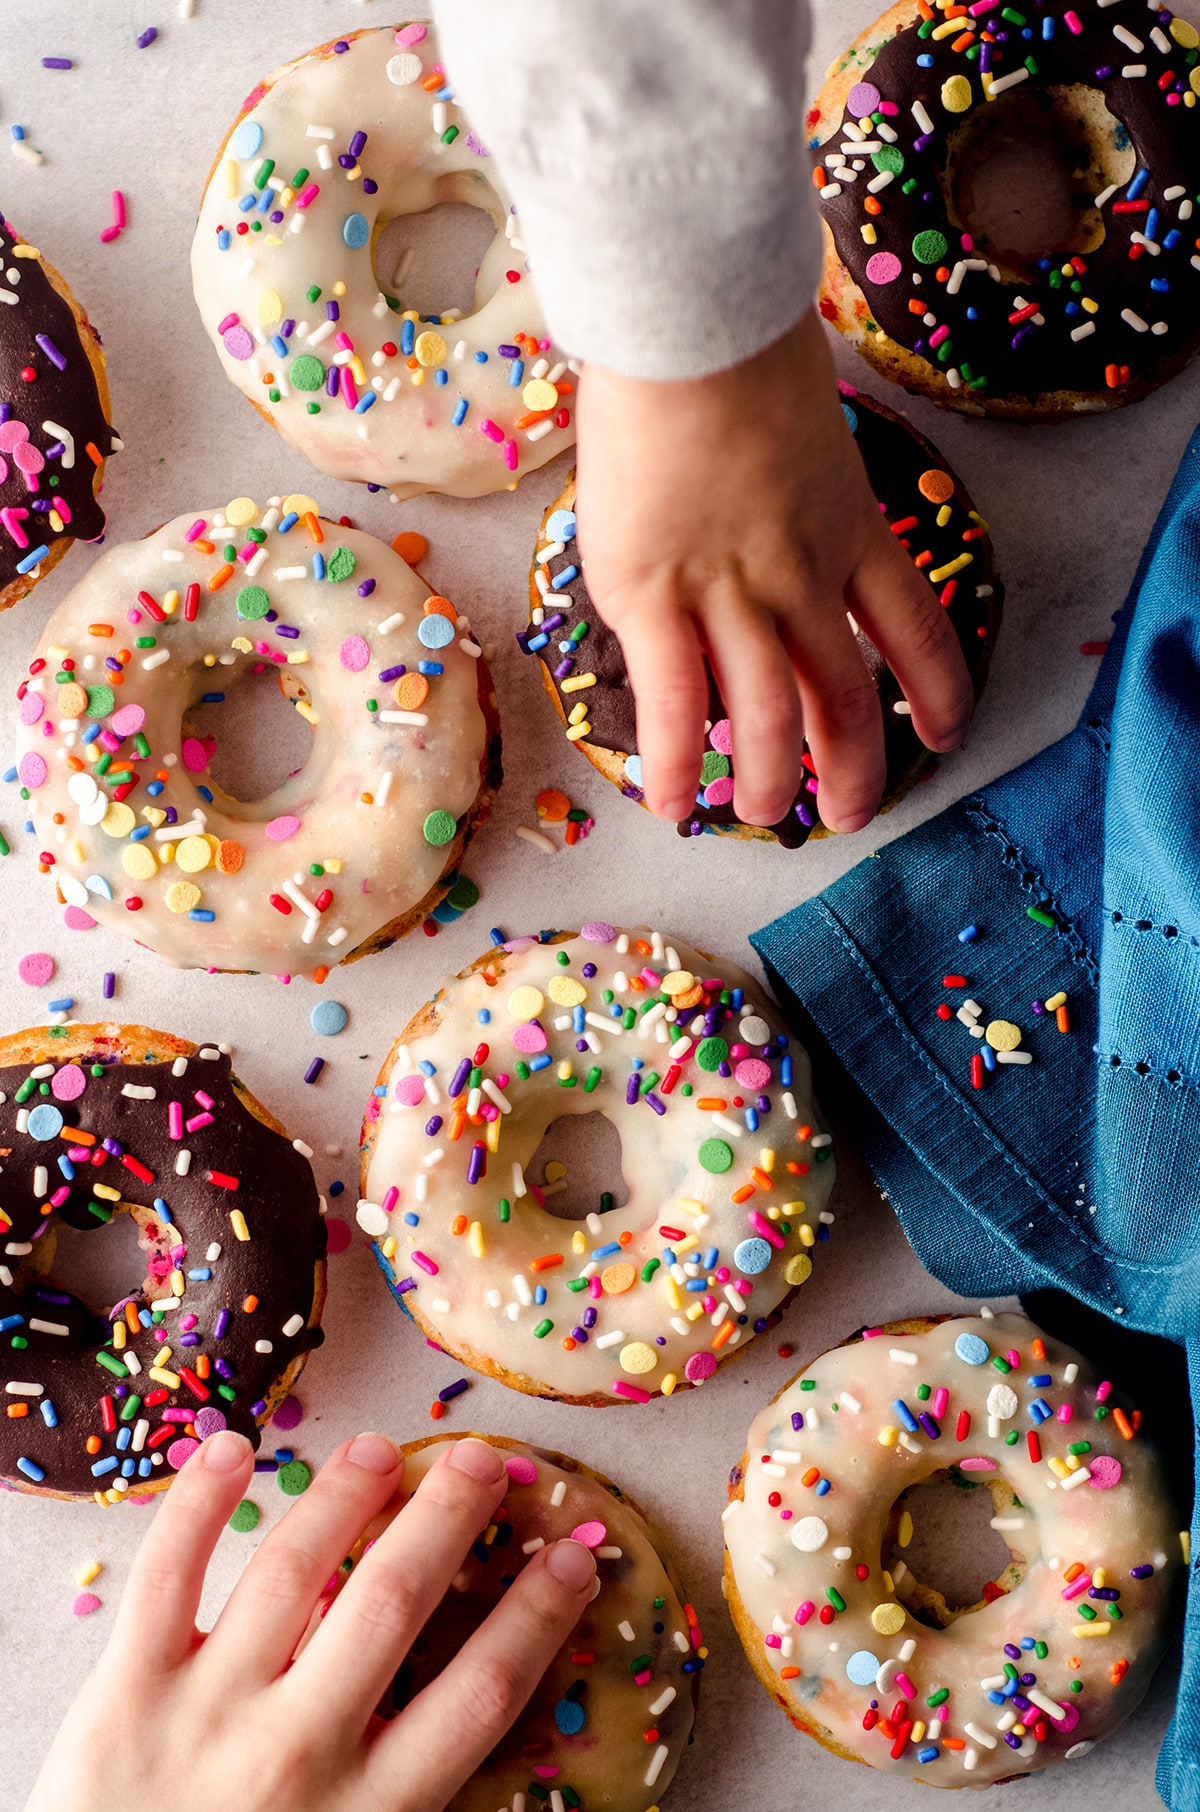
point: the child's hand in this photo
(730, 516)
(171, 1716)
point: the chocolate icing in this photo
(896, 457)
(1020, 359)
(69, 397)
(276, 1195)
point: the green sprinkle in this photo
(1001, 1363)
(1041, 917)
(145, 641)
(1087, 1611)
(227, 1391)
(4, 848)
(130, 1408)
(592, 1079)
(1080, 1447)
(649, 1268)
(1076, 1685)
(340, 564)
(939, 1697)
(1040, 1650)
(440, 828)
(542, 1329)
(372, 705)
(715, 1156)
(808, 1384)
(503, 1209)
(245, 1517)
(835, 1598)
(294, 1478)
(101, 1212)
(111, 1364)
(1115, 1612)
(1011, 1439)
(306, 372)
(628, 1019)
(575, 1284)
(924, 1392)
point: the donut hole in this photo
(431, 261)
(942, 1550)
(257, 740)
(1022, 174)
(100, 1272)
(577, 1163)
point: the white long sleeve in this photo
(655, 151)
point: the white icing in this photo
(481, 1299)
(1112, 1529)
(377, 861)
(406, 439)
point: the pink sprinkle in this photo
(719, 791)
(589, 1534)
(180, 1452)
(883, 267)
(177, 1415)
(337, 1234)
(280, 829)
(597, 932)
(197, 529)
(1065, 1412)
(85, 1603)
(308, 194)
(487, 426)
(774, 1641)
(409, 1090)
(902, 1680)
(633, 1392)
(229, 321)
(208, 1422)
(699, 1367)
(391, 1197)
(805, 1611)
(978, 1464)
(36, 969)
(127, 720)
(174, 1120)
(108, 234)
(1103, 1391)
(595, 1287)
(197, 1121)
(939, 334)
(118, 207)
(1077, 1587)
(1072, 23)
(194, 755)
(529, 1038)
(1106, 1471)
(764, 1227)
(290, 1414)
(941, 1397)
(427, 1265)
(753, 1073)
(410, 34)
(354, 654)
(68, 1083)
(32, 707)
(521, 1470)
(510, 455)
(721, 736)
(32, 770)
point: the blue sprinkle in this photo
(481, 358)
(540, 1063)
(460, 412)
(823, 1487)
(408, 337)
(10, 1321)
(563, 578)
(33, 1471)
(45, 1122)
(49, 1413)
(366, 401)
(905, 1414)
(972, 1350)
(356, 230)
(318, 566)
(435, 630)
(569, 1716)
(328, 1017)
(108, 1464)
(862, 1667)
(1137, 185)
(278, 345)
(539, 1295)
(60, 1006)
(201, 1274)
(968, 934)
(30, 561)
(851, 418)
(247, 139)
(287, 522)
(203, 914)
(516, 375)
(752, 1256)
(433, 668)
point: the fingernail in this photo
(678, 808)
(225, 1451)
(476, 1458)
(571, 1564)
(856, 822)
(765, 818)
(374, 1453)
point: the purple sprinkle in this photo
(434, 1126)
(589, 1317)
(332, 312)
(51, 350)
(459, 1078)
(220, 1324)
(589, 969)
(259, 1408)
(631, 1090)
(286, 328)
(1142, 1572)
(340, 48)
(56, 63)
(563, 668)
(656, 1102)
(224, 1367)
(345, 160)
(797, 1421)
(332, 381)
(369, 187)
(578, 1334)
(923, 142)
(368, 585)
(453, 1390)
(287, 630)
(110, 984)
(475, 1164)
(314, 1069)
(266, 1465)
(112, 1148)
(56, 451)
(509, 352)
(391, 673)
(147, 38)
(1012, 1741)
(929, 1425)
(405, 1284)
(357, 143)
(1012, 1651)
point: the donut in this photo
(350, 851)
(324, 153)
(906, 132)
(54, 428)
(724, 1155)
(583, 667)
(100, 1120)
(878, 1666)
(611, 1718)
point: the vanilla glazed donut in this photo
(903, 130)
(324, 153)
(727, 1166)
(610, 1719)
(100, 1120)
(583, 665)
(876, 1665)
(54, 428)
(346, 854)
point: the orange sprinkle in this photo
(569, 1345)
(637, 984)
(624, 1239)
(789, 1673)
(711, 1103)
(1073, 1571)
(439, 607)
(804, 1132)
(925, 559)
(203, 1366)
(533, 415)
(230, 856)
(961, 43)
(916, 306)
(459, 1224)
(410, 546)
(204, 547)
(1122, 1422)
(18, 1409)
(552, 805)
(820, 177)
(743, 1194)
(411, 691)
(249, 1304)
(872, 206)
(457, 1122)
(321, 973)
(762, 1177)
(313, 526)
(77, 1135)
(94, 454)
(430, 82)
(131, 1319)
(547, 1261)
(643, 948)
(74, 763)
(1038, 1349)
(811, 1476)
(437, 1411)
(954, 1743)
(221, 577)
(1117, 1672)
(93, 1443)
(1061, 1020)
(100, 629)
(723, 1333)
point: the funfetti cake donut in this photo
(917, 276)
(324, 153)
(723, 1153)
(351, 850)
(611, 1717)
(873, 1662)
(583, 667)
(54, 428)
(99, 1121)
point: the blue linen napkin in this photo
(1081, 1171)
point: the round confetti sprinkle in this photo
(809, 1534)
(972, 1350)
(526, 1002)
(552, 805)
(76, 919)
(354, 654)
(798, 1269)
(356, 230)
(590, 1535)
(889, 158)
(752, 1256)
(409, 1090)
(754, 1030)
(411, 547)
(615, 1279)
(957, 95)
(238, 343)
(194, 755)
(245, 1517)
(180, 1452)
(435, 630)
(182, 896)
(306, 372)
(1003, 1035)
(521, 1470)
(429, 348)
(463, 895)
(208, 1421)
(560, 525)
(243, 510)
(1002, 1402)
(85, 1603)
(699, 1367)
(32, 770)
(118, 820)
(888, 1619)
(711, 1053)
(715, 1156)
(638, 1357)
(252, 603)
(930, 247)
(936, 486)
(68, 1083)
(569, 1716)
(440, 827)
(721, 736)
(127, 720)
(410, 691)
(247, 140)
(45, 1122)
(883, 267)
(597, 932)
(1105, 1471)
(290, 1413)
(280, 829)
(36, 969)
(337, 1235)
(191, 854)
(31, 708)
(719, 792)
(862, 100)
(294, 1478)
(340, 564)
(862, 1667)
(328, 1018)
(403, 69)
(539, 395)
(752, 1073)
(529, 1040)
(565, 991)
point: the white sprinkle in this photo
(659, 1705)
(1014, 1056)
(389, 623)
(23, 1390)
(604, 1341)
(22, 148)
(626, 1629)
(292, 1325)
(1126, 37)
(537, 839)
(984, 1738)
(263, 1346)
(1132, 70)
(183, 1162)
(48, 1327)
(902, 1355)
(1084, 332)
(416, 718)
(138, 1094)
(156, 659)
(325, 132)
(656, 1765)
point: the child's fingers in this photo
(899, 610)
(256, 1634)
(758, 685)
(841, 720)
(449, 1729)
(670, 685)
(396, 1587)
(156, 1620)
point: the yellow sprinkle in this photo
(1088, 306)
(182, 896)
(638, 1357)
(178, 1283)
(1100, 1577)
(164, 1355)
(119, 1332)
(580, 683)
(229, 170)
(694, 1313)
(806, 1235)
(689, 1205)
(170, 603)
(870, 236)
(161, 1376)
(798, 1268)
(299, 658)
(888, 1619)
(951, 567)
(686, 1245)
(306, 711)
(106, 1192)
(1057, 1467)
(917, 1731)
(950, 28)
(166, 853)
(565, 1069)
(957, 96)
(1092, 1629)
(766, 1159)
(526, 1002)
(389, 1246)
(430, 348)
(887, 1437)
(476, 1239)
(1055, 1001)
(672, 1289)
(92, 1569)
(242, 643)
(1003, 1035)
(538, 394)
(578, 1243)
(1185, 1546)
(237, 1221)
(667, 1387)
(193, 854)
(1184, 34)
(944, 515)
(118, 820)
(565, 991)
(578, 713)
(492, 1139)
(904, 1533)
(579, 731)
